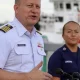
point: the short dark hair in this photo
(17, 1)
(66, 24)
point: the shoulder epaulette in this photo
(6, 28)
(38, 32)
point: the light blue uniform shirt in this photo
(20, 51)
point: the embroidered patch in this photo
(6, 28)
(40, 45)
(21, 44)
(68, 61)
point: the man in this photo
(21, 47)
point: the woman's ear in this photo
(63, 36)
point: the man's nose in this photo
(34, 9)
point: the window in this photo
(59, 19)
(76, 5)
(61, 5)
(56, 5)
(44, 17)
(68, 6)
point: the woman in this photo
(67, 57)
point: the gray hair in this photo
(17, 1)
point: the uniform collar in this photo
(21, 29)
(65, 48)
(33, 33)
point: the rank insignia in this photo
(6, 28)
(64, 48)
(38, 32)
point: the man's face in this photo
(71, 33)
(28, 11)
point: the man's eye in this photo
(76, 31)
(38, 7)
(29, 6)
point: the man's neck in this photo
(29, 28)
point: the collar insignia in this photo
(64, 48)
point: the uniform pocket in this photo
(21, 50)
(25, 53)
(41, 51)
(40, 55)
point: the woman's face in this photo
(71, 33)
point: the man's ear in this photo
(62, 36)
(16, 6)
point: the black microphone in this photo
(59, 71)
(76, 75)
(64, 74)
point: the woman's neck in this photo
(73, 48)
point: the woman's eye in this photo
(69, 32)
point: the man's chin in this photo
(33, 23)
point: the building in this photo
(64, 11)
(47, 22)
(47, 28)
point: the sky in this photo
(7, 11)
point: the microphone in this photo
(59, 71)
(64, 74)
(76, 75)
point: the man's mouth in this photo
(33, 17)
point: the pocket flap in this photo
(41, 51)
(21, 49)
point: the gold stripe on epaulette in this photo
(38, 32)
(6, 28)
